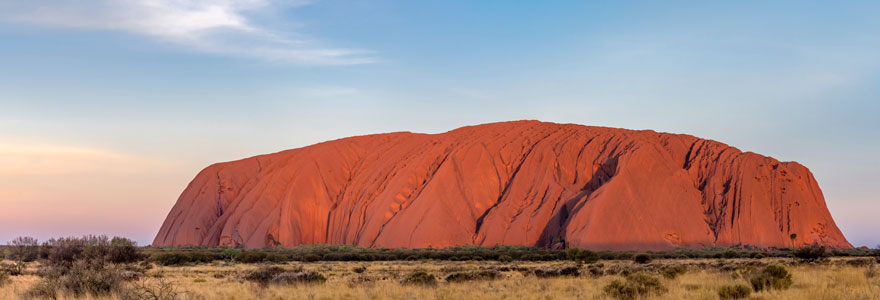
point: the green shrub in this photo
(170, 259)
(250, 257)
(505, 258)
(230, 254)
(277, 258)
(201, 257)
(674, 271)
(771, 277)
(642, 258)
(532, 257)
(636, 286)
(310, 258)
(419, 278)
(739, 291)
(585, 256)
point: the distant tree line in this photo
(25, 249)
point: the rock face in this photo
(511, 183)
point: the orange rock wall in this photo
(511, 183)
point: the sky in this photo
(108, 108)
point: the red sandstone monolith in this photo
(512, 183)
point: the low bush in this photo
(177, 258)
(298, 277)
(635, 286)
(419, 278)
(535, 257)
(263, 275)
(505, 258)
(230, 254)
(471, 276)
(250, 257)
(738, 291)
(171, 259)
(151, 289)
(310, 258)
(94, 248)
(673, 272)
(86, 279)
(596, 270)
(277, 258)
(864, 262)
(13, 269)
(81, 279)
(771, 277)
(579, 255)
(810, 253)
(556, 272)
(359, 269)
(642, 258)
(43, 289)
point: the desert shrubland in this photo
(99, 268)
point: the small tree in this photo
(123, 250)
(793, 237)
(23, 249)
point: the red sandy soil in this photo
(511, 183)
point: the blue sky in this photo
(114, 106)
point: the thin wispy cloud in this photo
(222, 27)
(17, 159)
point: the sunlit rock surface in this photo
(512, 183)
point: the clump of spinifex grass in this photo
(771, 278)
(635, 286)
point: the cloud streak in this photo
(38, 160)
(222, 27)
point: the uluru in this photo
(511, 183)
